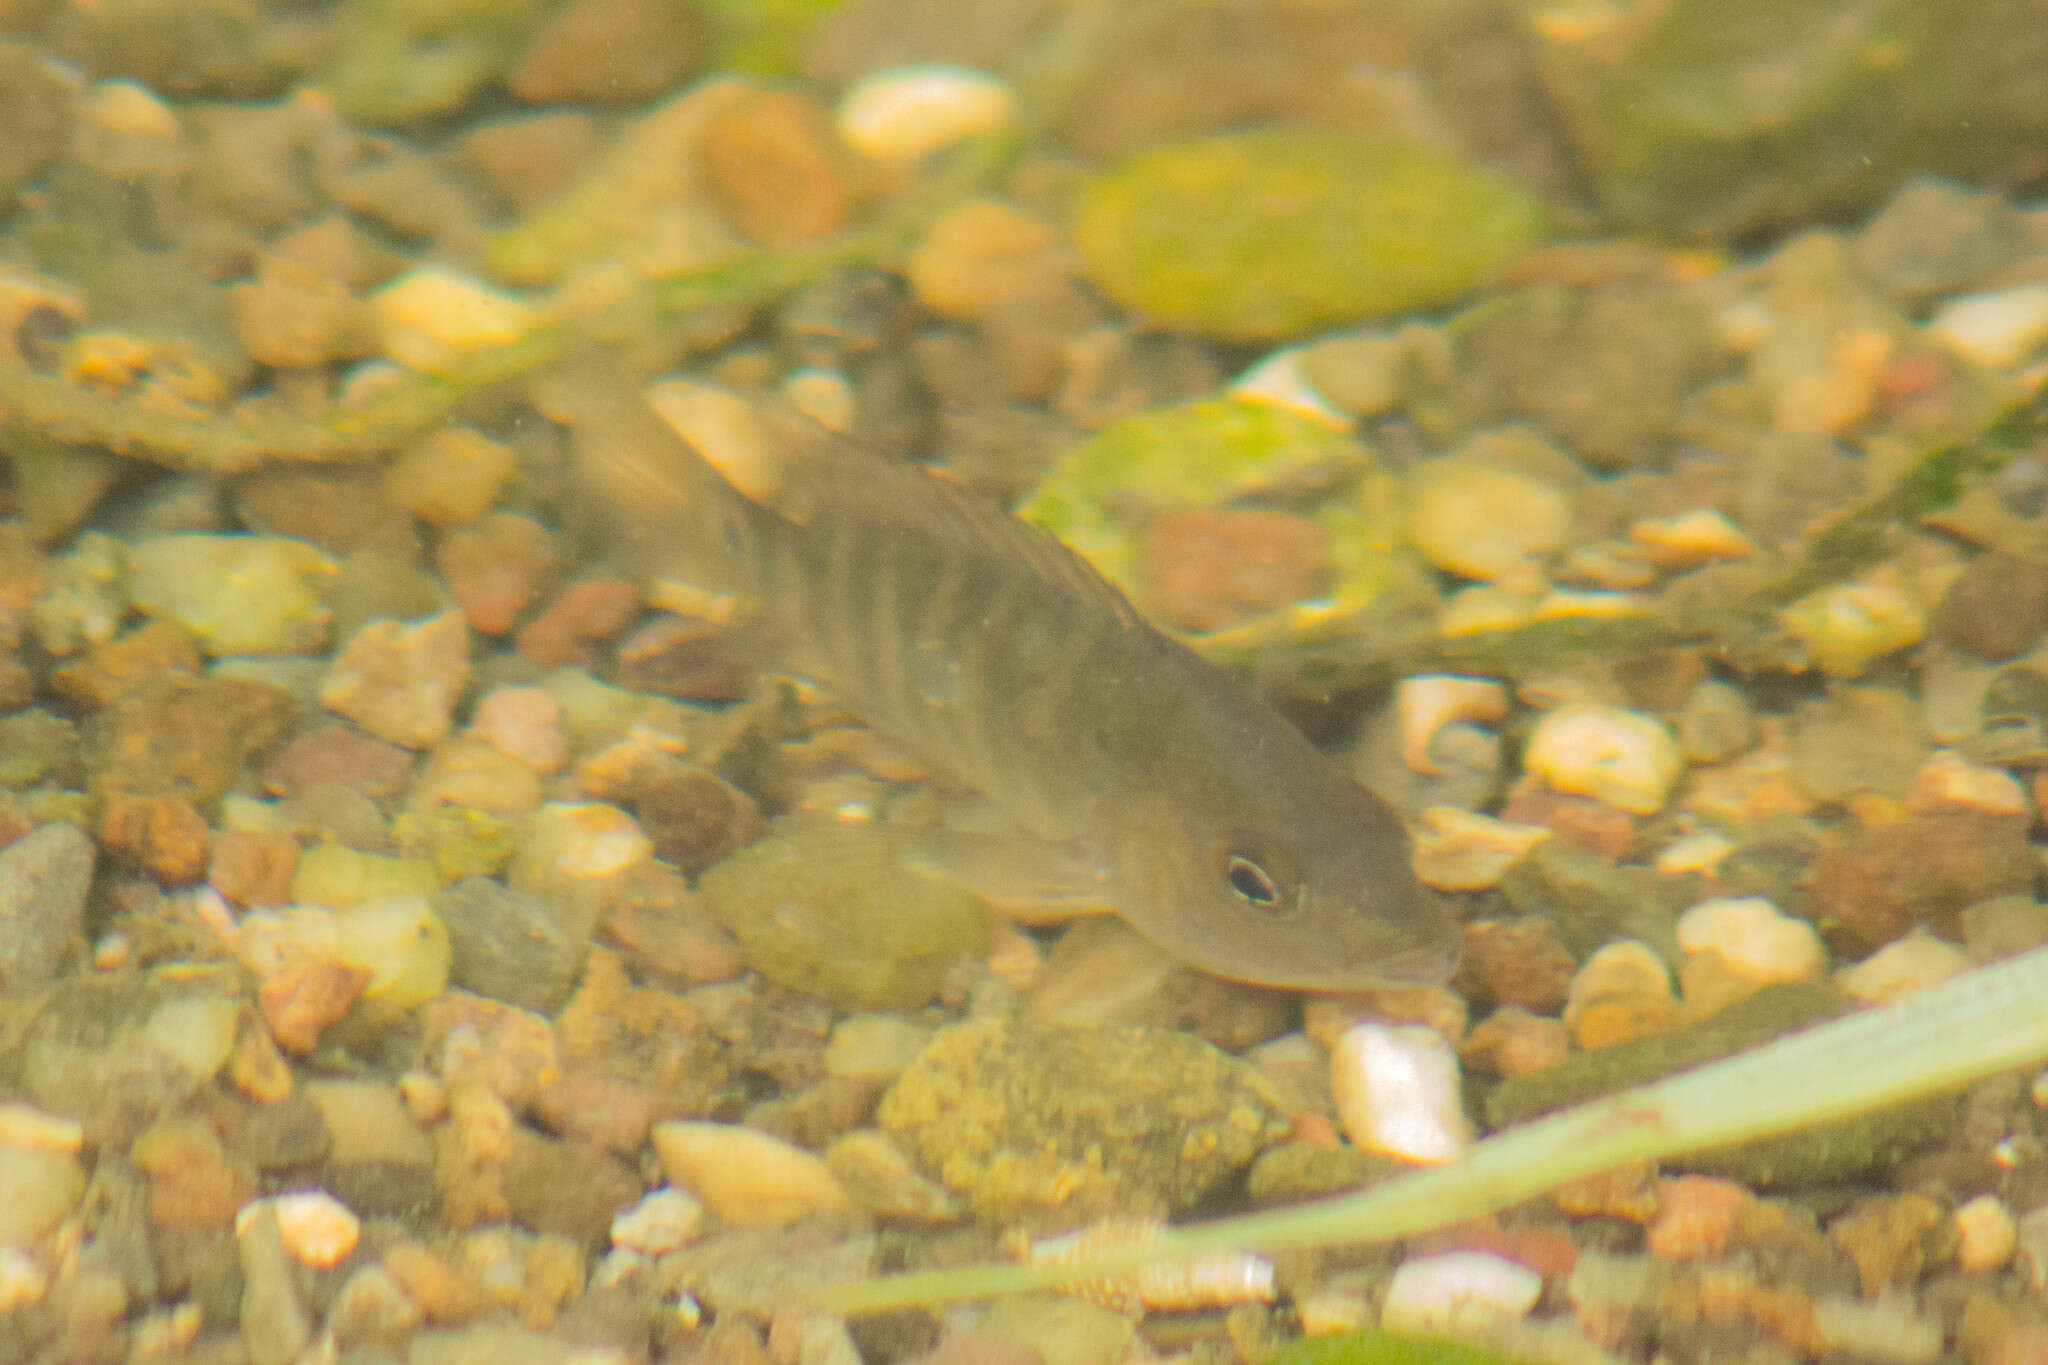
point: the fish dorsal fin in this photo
(821, 473)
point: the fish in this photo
(989, 649)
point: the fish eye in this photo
(1254, 885)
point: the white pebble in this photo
(525, 724)
(664, 1220)
(1624, 758)
(1758, 943)
(317, 1229)
(1986, 1234)
(902, 115)
(1397, 1091)
(1460, 1292)
(1900, 969)
(197, 1032)
(1694, 853)
(27, 1127)
(1996, 330)
(748, 1179)
(1425, 705)
(1281, 380)
(22, 1281)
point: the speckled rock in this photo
(185, 737)
(44, 879)
(237, 594)
(401, 681)
(1049, 1126)
(510, 946)
(1923, 870)
(1996, 608)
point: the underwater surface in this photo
(729, 681)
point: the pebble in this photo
(432, 319)
(1424, 705)
(1457, 1293)
(1398, 1092)
(770, 163)
(1690, 539)
(1903, 968)
(45, 877)
(1281, 378)
(1997, 330)
(1697, 1217)
(402, 943)
(1949, 782)
(1621, 992)
(198, 1032)
(873, 1047)
(1458, 850)
(1986, 1234)
(883, 1180)
(252, 868)
(451, 476)
(339, 754)
(22, 1281)
(497, 569)
(1924, 869)
(1624, 758)
(399, 681)
(1714, 723)
(316, 1229)
(662, 1221)
(1056, 1330)
(510, 946)
(274, 1321)
(38, 1189)
(906, 113)
(1752, 942)
(1887, 1330)
(368, 1124)
(581, 615)
(1513, 1042)
(370, 1306)
(1521, 962)
(523, 723)
(296, 315)
(31, 1129)
(607, 52)
(747, 1179)
(1850, 626)
(1480, 521)
(1996, 608)
(984, 255)
(236, 594)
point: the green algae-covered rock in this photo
(832, 908)
(1255, 236)
(1384, 1348)
(1732, 116)
(238, 594)
(1046, 1126)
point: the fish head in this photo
(1306, 888)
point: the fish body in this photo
(989, 649)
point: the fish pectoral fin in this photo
(1026, 878)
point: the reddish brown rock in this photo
(1580, 821)
(694, 817)
(773, 166)
(608, 52)
(253, 868)
(1209, 569)
(1878, 883)
(671, 936)
(342, 755)
(1997, 606)
(581, 614)
(302, 998)
(497, 569)
(192, 1183)
(602, 1111)
(165, 836)
(106, 671)
(1518, 962)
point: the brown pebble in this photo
(108, 670)
(601, 1111)
(253, 868)
(1580, 821)
(1208, 569)
(531, 158)
(694, 817)
(670, 934)
(1513, 1042)
(497, 569)
(165, 836)
(186, 737)
(687, 657)
(1519, 962)
(1892, 1239)
(1925, 870)
(192, 1184)
(446, 1295)
(581, 614)
(303, 998)
(1997, 606)
(342, 755)
(771, 164)
(342, 511)
(608, 52)
(295, 315)
(567, 1188)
